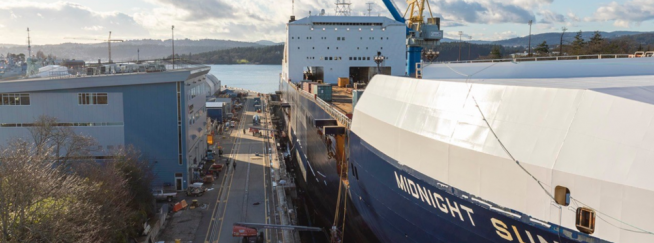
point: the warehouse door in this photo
(178, 181)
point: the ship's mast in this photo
(343, 7)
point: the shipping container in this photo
(343, 82)
(356, 96)
(314, 88)
(307, 86)
(324, 92)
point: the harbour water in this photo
(260, 78)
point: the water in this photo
(260, 78)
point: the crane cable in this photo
(642, 231)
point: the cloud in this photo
(626, 13)
(486, 11)
(197, 10)
(93, 28)
(51, 22)
(549, 17)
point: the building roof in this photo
(345, 19)
(46, 84)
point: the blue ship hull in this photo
(403, 205)
(393, 203)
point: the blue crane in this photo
(418, 33)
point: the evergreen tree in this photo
(495, 53)
(578, 44)
(596, 43)
(640, 47)
(542, 48)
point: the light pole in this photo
(561, 43)
(530, 22)
(173, 30)
(469, 46)
(379, 59)
(460, 34)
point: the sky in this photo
(52, 22)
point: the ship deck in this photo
(342, 99)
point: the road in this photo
(245, 193)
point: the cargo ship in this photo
(520, 150)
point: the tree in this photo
(495, 53)
(578, 44)
(596, 43)
(41, 203)
(542, 48)
(48, 133)
(47, 197)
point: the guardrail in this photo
(329, 108)
(548, 58)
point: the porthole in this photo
(562, 195)
(585, 220)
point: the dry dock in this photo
(246, 192)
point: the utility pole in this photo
(469, 46)
(173, 30)
(561, 43)
(529, 53)
(460, 34)
(109, 43)
(29, 44)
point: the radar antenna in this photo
(369, 7)
(343, 7)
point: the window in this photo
(350, 58)
(92, 98)
(15, 99)
(585, 220)
(338, 38)
(343, 38)
(562, 195)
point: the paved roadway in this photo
(244, 190)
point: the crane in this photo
(108, 40)
(419, 34)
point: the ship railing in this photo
(331, 110)
(546, 58)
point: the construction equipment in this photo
(420, 34)
(108, 40)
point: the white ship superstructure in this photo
(499, 138)
(343, 46)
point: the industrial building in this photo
(162, 114)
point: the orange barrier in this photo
(184, 205)
(177, 207)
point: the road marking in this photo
(232, 157)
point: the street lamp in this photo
(460, 34)
(530, 22)
(469, 46)
(379, 59)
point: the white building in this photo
(343, 46)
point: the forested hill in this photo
(240, 55)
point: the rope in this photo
(641, 231)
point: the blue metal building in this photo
(161, 114)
